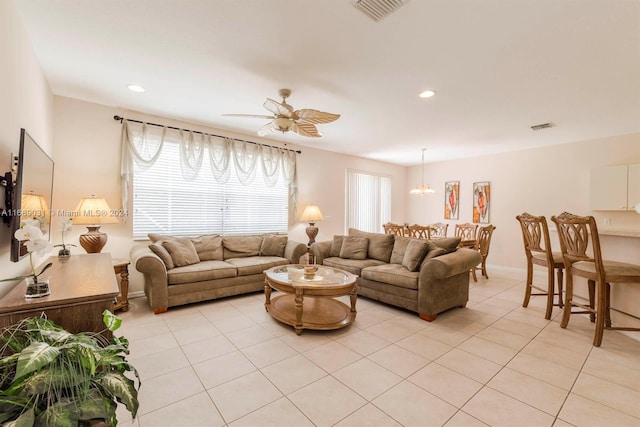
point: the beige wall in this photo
(87, 153)
(545, 181)
(25, 102)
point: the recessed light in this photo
(136, 88)
(427, 94)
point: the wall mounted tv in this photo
(31, 193)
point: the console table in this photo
(82, 287)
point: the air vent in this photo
(543, 126)
(378, 9)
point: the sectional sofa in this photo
(423, 276)
(180, 271)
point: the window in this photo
(165, 202)
(368, 201)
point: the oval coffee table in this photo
(308, 302)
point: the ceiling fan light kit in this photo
(285, 118)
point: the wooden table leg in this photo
(267, 295)
(298, 325)
(353, 297)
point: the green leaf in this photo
(122, 388)
(26, 419)
(111, 321)
(96, 406)
(34, 357)
(45, 268)
(55, 380)
(61, 414)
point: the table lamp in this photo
(311, 214)
(93, 213)
(35, 206)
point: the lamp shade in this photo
(93, 211)
(311, 214)
(35, 206)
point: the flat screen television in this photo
(32, 192)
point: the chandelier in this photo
(423, 189)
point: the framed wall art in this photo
(451, 199)
(481, 202)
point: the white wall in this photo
(25, 102)
(544, 181)
(87, 153)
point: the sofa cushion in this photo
(415, 253)
(160, 250)
(205, 270)
(449, 244)
(351, 265)
(208, 247)
(354, 247)
(380, 245)
(336, 245)
(392, 274)
(255, 264)
(241, 246)
(182, 252)
(399, 248)
(273, 245)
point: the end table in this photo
(121, 267)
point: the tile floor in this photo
(228, 363)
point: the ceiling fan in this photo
(285, 118)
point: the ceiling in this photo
(498, 67)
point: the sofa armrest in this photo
(294, 250)
(155, 276)
(321, 250)
(451, 264)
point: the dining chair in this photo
(484, 243)
(574, 232)
(418, 231)
(537, 248)
(467, 234)
(391, 228)
(438, 230)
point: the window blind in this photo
(165, 202)
(368, 201)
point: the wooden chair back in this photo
(418, 231)
(574, 231)
(466, 231)
(391, 228)
(484, 239)
(438, 230)
(535, 236)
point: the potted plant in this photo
(51, 377)
(64, 223)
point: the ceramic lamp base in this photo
(94, 240)
(312, 232)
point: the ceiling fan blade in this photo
(267, 129)
(277, 108)
(305, 129)
(255, 116)
(308, 115)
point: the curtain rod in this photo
(120, 119)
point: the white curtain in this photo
(142, 144)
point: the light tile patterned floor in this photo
(228, 363)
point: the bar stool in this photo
(574, 233)
(537, 247)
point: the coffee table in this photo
(309, 302)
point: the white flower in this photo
(29, 231)
(39, 246)
(32, 222)
(65, 223)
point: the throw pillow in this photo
(449, 244)
(399, 248)
(413, 256)
(273, 245)
(380, 245)
(208, 247)
(155, 237)
(159, 250)
(241, 246)
(336, 245)
(182, 252)
(354, 247)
